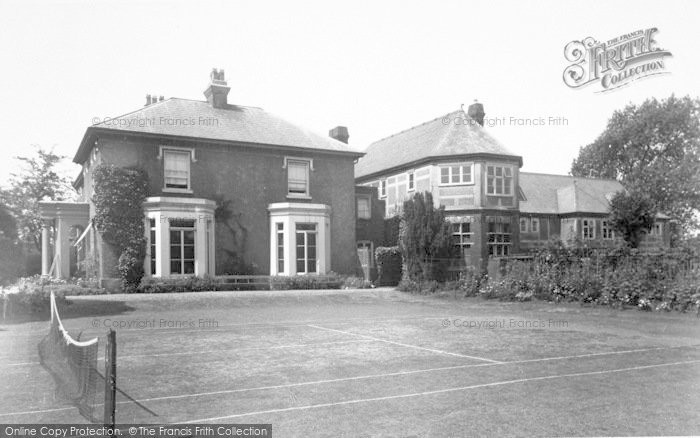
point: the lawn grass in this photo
(376, 363)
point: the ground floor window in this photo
(152, 244)
(306, 248)
(365, 253)
(608, 232)
(462, 235)
(588, 228)
(182, 244)
(499, 239)
(280, 246)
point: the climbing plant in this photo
(119, 217)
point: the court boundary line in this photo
(438, 391)
(363, 377)
(274, 347)
(432, 350)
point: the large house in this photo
(495, 209)
(233, 189)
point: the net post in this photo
(110, 379)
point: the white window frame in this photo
(607, 230)
(504, 169)
(162, 152)
(590, 225)
(523, 221)
(656, 229)
(181, 246)
(369, 206)
(280, 234)
(411, 181)
(382, 188)
(305, 245)
(449, 167)
(309, 163)
(534, 225)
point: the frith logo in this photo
(616, 62)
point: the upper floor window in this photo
(456, 174)
(588, 228)
(363, 207)
(656, 229)
(298, 177)
(411, 181)
(382, 188)
(176, 169)
(499, 180)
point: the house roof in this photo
(561, 194)
(197, 119)
(454, 134)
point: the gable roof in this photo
(453, 134)
(561, 194)
(196, 119)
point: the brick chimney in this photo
(339, 133)
(152, 98)
(476, 112)
(217, 92)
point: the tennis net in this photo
(72, 364)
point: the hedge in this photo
(389, 263)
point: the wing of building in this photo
(496, 210)
(233, 190)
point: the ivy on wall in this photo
(119, 217)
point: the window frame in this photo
(165, 151)
(357, 206)
(464, 239)
(534, 228)
(449, 167)
(181, 245)
(309, 164)
(502, 178)
(499, 247)
(382, 188)
(523, 221)
(411, 182)
(607, 231)
(306, 246)
(590, 227)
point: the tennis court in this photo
(374, 363)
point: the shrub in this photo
(32, 294)
(353, 282)
(389, 262)
(118, 199)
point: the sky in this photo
(377, 67)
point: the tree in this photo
(425, 238)
(11, 254)
(652, 148)
(37, 181)
(632, 214)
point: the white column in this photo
(162, 245)
(45, 257)
(200, 246)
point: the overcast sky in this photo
(378, 67)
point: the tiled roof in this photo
(561, 194)
(452, 134)
(199, 119)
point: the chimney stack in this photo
(148, 100)
(476, 112)
(339, 133)
(217, 92)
